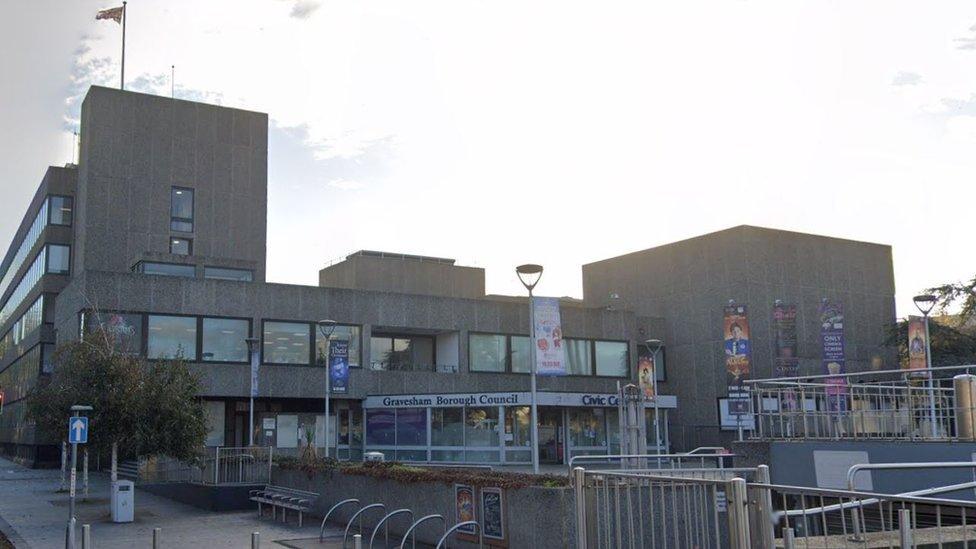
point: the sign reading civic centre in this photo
(548, 333)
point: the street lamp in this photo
(253, 345)
(925, 304)
(654, 346)
(326, 328)
(529, 275)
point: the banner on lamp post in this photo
(548, 332)
(917, 359)
(339, 365)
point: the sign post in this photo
(77, 434)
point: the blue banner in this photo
(339, 366)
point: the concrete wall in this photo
(136, 147)
(540, 518)
(404, 274)
(134, 292)
(688, 283)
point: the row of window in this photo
(18, 378)
(55, 210)
(53, 258)
(215, 339)
(190, 271)
(27, 323)
(583, 357)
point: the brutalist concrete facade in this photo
(688, 283)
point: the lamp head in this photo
(925, 303)
(326, 327)
(529, 274)
(654, 345)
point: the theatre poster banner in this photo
(916, 343)
(832, 345)
(737, 356)
(548, 333)
(784, 324)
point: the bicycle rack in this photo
(417, 523)
(334, 507)
(387, 530)
(357, 515)
(458, 526)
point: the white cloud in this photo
(905, 78)
(346, 184)
(303, 9)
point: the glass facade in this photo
(223, 339)
(488, 352)
(125, 330)
(612, 358)
(577, 357)
(401, 352)
(58, 259)
(61, 209)
(171, 337)
(287, 342)
(180, 246)
(181, 209)
(519, 353)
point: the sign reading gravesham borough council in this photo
(514, 398)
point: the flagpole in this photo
(122, 84)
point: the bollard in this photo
(357, 541)
(86, 536)
(765, 504)
(964, 388)
(71, 534)
(788, 542)
(255, 540)
(738, 514)
(157, 538)
(905, 528)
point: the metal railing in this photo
(695, 458)
(890, 404)
(219, 466)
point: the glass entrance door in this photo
(551, 442)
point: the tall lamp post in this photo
(529, 276)
(253, 346)
(654, 346)
(326, 328)
(925, 304)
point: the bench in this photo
(285, 498)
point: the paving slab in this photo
(34, 513)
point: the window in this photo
(380, 427)
(287, 342)
(58, 259)
(411, 427)
(60, 210)
(660, 364)
(577, 357)
(487, 352)
(123, 330)
(587, 428)
(180, 246)
(499, 353)
(612, 358)
(349, 334)
(221, 273)
(480, 430)
(223, 339)
(165, 269)
(172, 336)
(401, 352)
(447, 426)
(181, 209)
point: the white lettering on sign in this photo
(74, 474)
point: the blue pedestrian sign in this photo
(78, 430)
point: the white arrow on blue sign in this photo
(78, 430)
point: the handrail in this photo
(648, 457)
(361, 510)
(446, 465)
(694, 452)
(329, 513)
(383, 520)
(855, 469)
(867, 373)
(458, 526)
(417, 523)
(871, 501)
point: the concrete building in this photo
(159, 235)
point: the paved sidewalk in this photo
(33, 515)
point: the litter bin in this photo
(123, 501)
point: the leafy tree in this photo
(958, 292)
(951, 345)
(146, 408)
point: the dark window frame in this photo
(249, 271)
(139, 268)
(145, 335)
(47, 259)
(311, 343)
(508, 352)
(591, 346)
(250, 333)
(50, 210)
(193, 209)
(392, 336)
(315, 335)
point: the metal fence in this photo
(741, 508)
(219, 466)
(892, 405)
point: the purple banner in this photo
(832, 343)
(784, 324)
(339, 366)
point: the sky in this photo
(558, 133)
